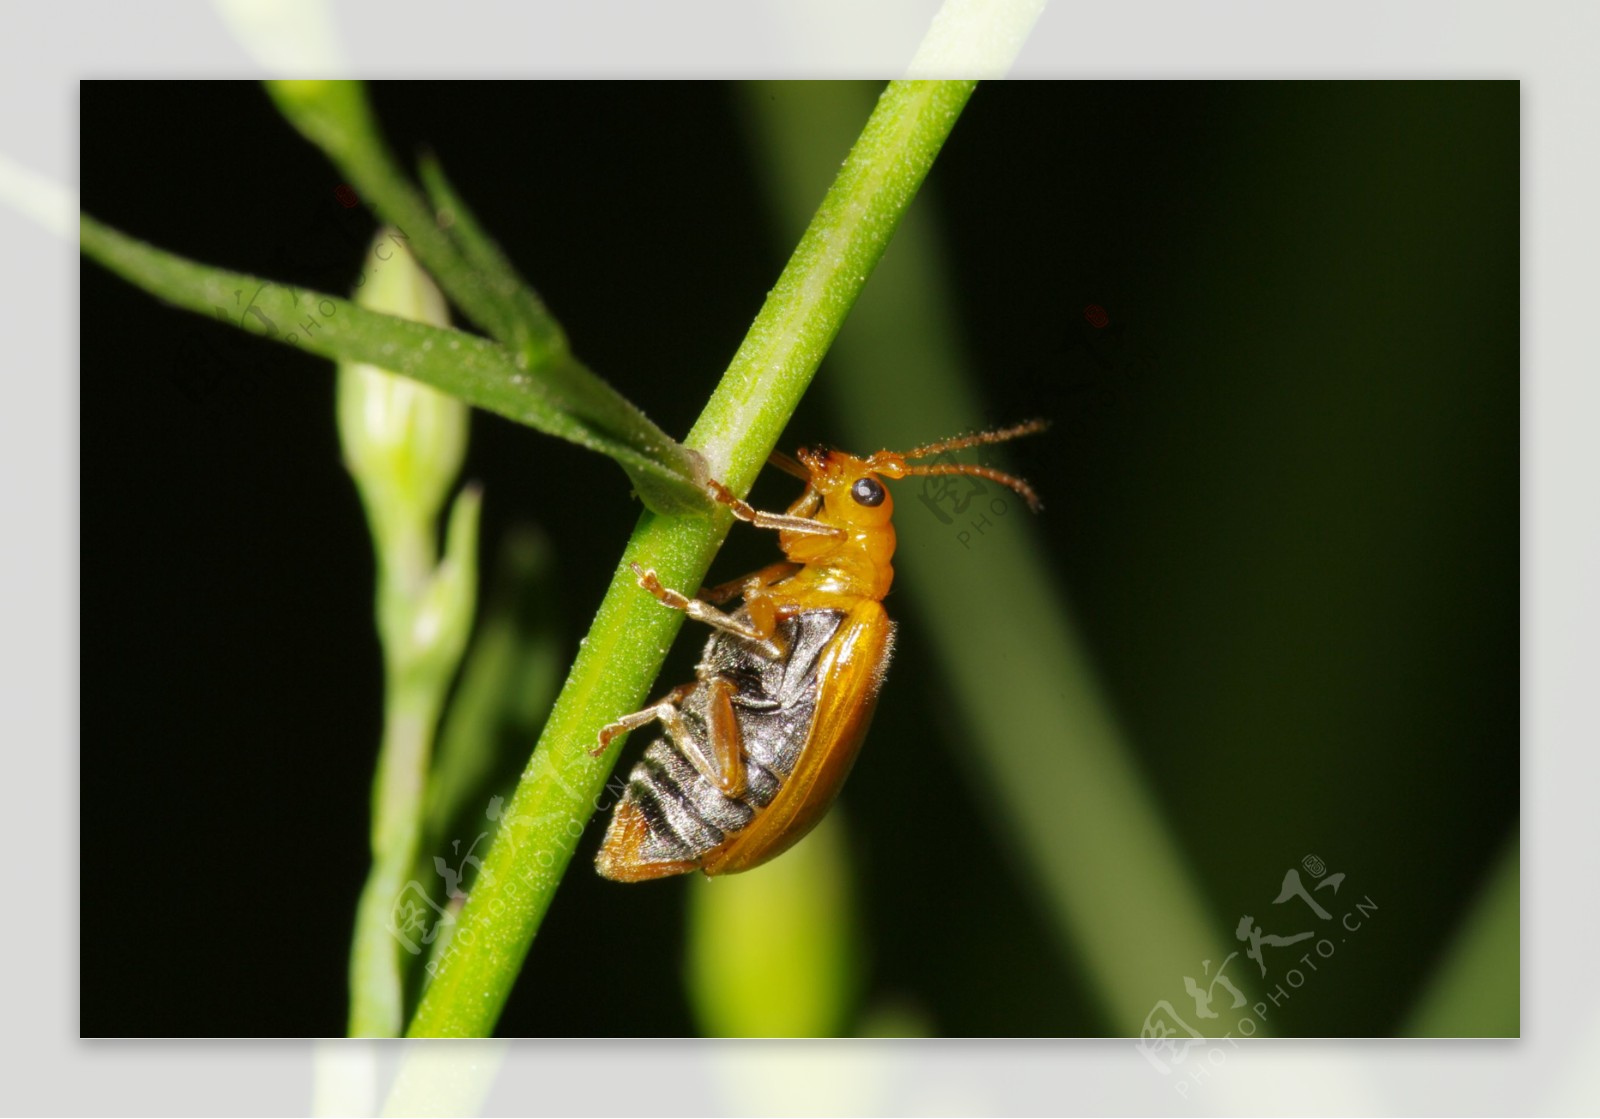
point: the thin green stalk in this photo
(377, 971)
(504, 692)
(1037, 731)
(563, 784)
(403, 445)
(336, 117)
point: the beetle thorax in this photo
(858, 567)
(847, 495)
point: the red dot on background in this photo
(346, 196)
(1096, 316)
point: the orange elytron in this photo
(758, 745)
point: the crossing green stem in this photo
(563, 784)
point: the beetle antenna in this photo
(960, 442)
(977, 439)
(1010, 480)
(788, 465)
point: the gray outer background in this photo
(47, 1070)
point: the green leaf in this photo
(507, 684)
(484, 374)
(527, 327)
(335, 116)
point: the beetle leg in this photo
(705, 612)
(781, 521)
(664, 709)
(720, 760)
(741, 587)
(722, 734)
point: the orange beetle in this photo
(759, 744)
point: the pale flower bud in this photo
(403, 441)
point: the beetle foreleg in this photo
(705, 612)
(781, 521)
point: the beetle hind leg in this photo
(720, 759)
(727, 745)
(664, 710)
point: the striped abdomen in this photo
(671, 816)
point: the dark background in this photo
(1284, 506)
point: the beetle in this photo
(758, 745)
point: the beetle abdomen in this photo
(671, 814)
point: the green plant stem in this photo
(377, 988)
(564, 784)
(414, 596)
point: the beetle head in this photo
(852, 489)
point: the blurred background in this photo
(1276, 328)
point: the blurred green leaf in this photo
(1476, 988)
(1037, 733)
(507, 684)
(772, 952)
(336, 117)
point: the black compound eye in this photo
(867, 491)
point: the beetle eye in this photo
(867, 491)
